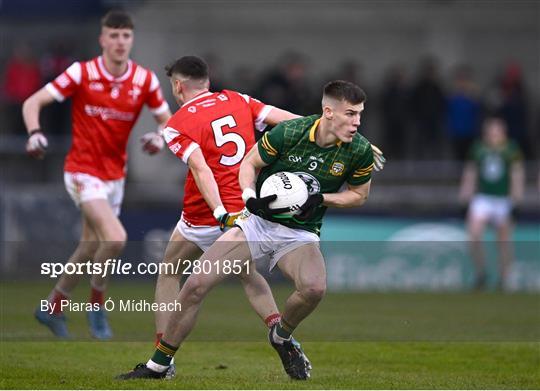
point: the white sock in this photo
(277, 339)
(156, 367)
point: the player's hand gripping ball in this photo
(290, 190)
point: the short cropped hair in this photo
(344, 91)
(192, 67)
(117, 19)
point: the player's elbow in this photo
(199, 169)
(358, 199)
(28, 104)
(362, 199)
(32, 103)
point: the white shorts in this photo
(269, 241)
(494, 209)
(84, 187)
(202, 235)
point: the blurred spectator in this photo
(349, 70)
(56, 118)
(287, 86)
(428, 107)
(244, 79)
(21, 78)
(513, 105)
(395, 113)
(463, 112)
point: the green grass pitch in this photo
(354, 340)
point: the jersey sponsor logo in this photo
(317, 158)
(312, 183)
(337, 169)
(295, 159)
(96, 86)
(107, 113)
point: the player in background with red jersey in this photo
(108, 94)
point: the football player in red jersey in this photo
(211, 132)
(108, 93)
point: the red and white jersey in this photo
(104, 112)
(222, 125)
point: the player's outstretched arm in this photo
(37, 142)
(352, 197)
(276, 115)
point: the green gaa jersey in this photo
(291, 147)
(493, 166)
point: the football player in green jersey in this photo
(326, 152)
(493, 182)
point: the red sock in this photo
(272, 320)
(96, 296)
(158, 338)
(56, 298)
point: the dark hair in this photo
(190, 66)
(117, 19)
(344, 90)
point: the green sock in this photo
(164, 353)
(284, 329)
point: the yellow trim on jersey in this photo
(363, 171)
(312, 133)
(312, 130)
(267, 146)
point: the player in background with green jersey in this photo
(493, 182)
(327, 152)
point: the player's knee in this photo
(196, 289)
(116, 241)
(114, 246)
(313, 291)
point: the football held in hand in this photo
(290, 189)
